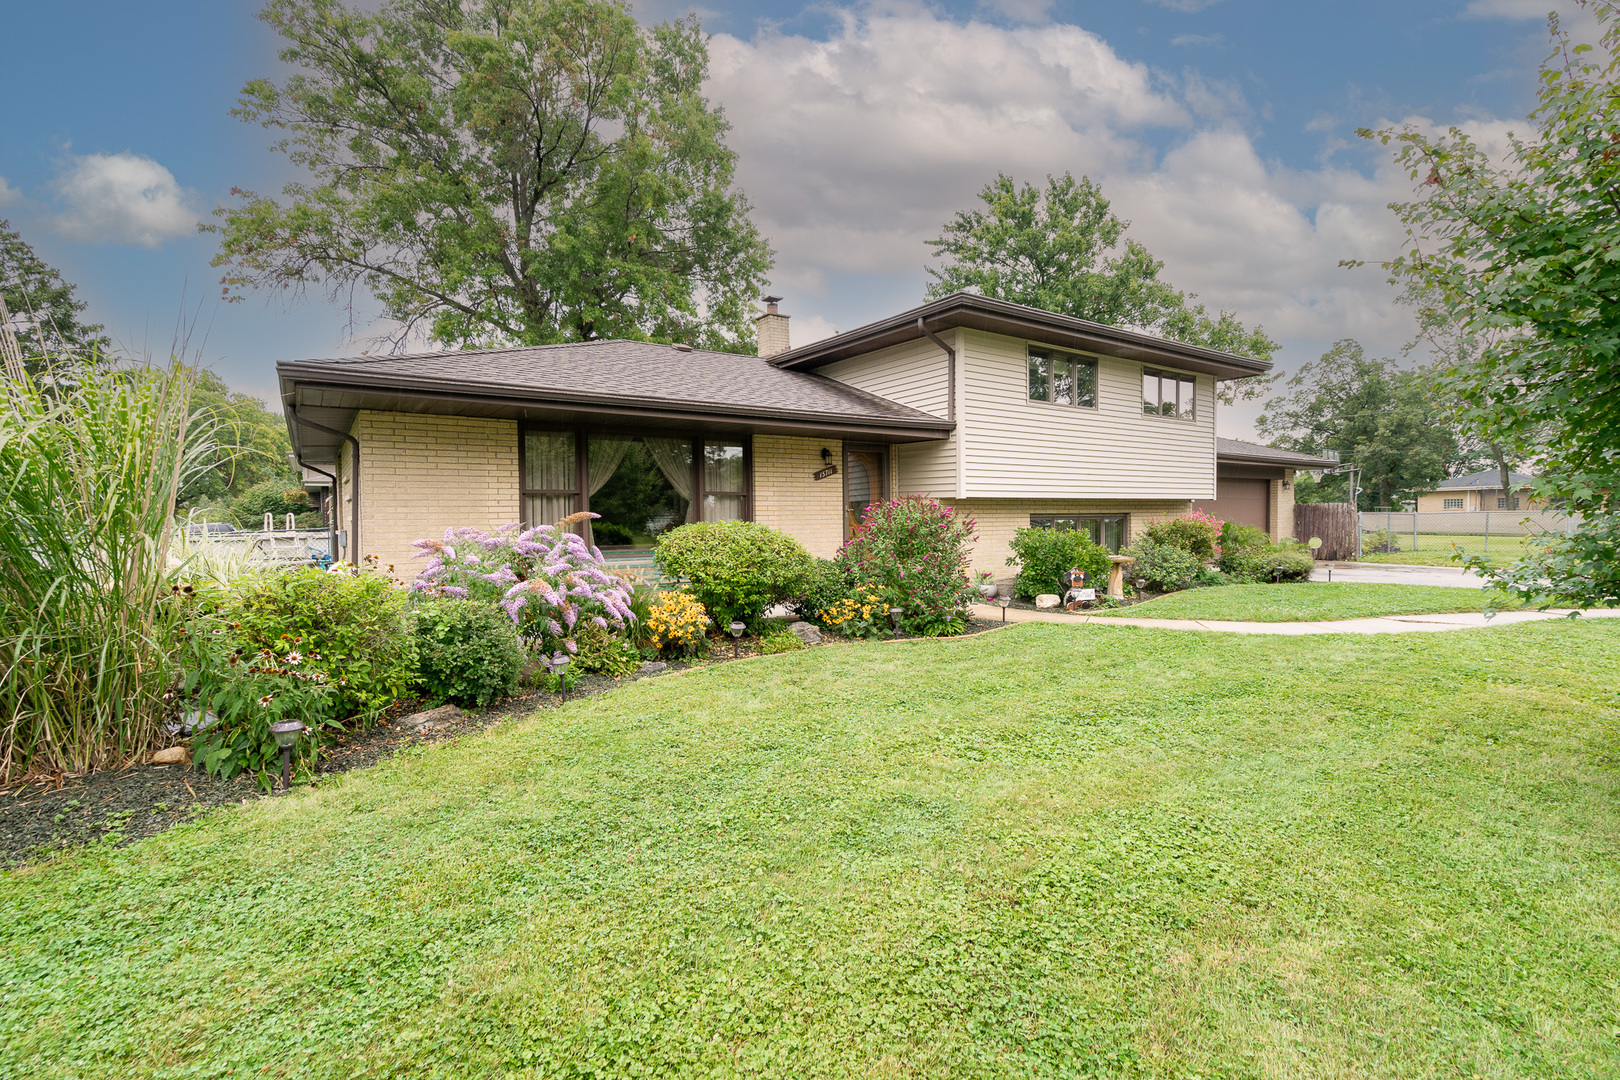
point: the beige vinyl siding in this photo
(912, 374)
(1017, 448)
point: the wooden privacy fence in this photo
(1335, 523)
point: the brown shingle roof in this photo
(633, 373)
(1238, 450)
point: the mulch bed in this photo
(38, 820)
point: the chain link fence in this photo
(1433, 535)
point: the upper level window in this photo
(1166, 393)
(1062, 379)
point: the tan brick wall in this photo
(999, 518)
(420, 475)
(1282, 506)
(787, 498)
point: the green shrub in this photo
(914, 552)
(359, 626)
(824, 586)
(1194, 532)
(1165, 567)
(606, 532)
(1248, 556)
(1251, 565)
(736, 569)
(1043, 556)
(1235, 537)
(779, 641)
(467, 651)
(1380, 541)
(604, 653)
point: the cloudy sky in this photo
(1223, 130)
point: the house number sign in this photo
(822, 474)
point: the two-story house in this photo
(1018, 416)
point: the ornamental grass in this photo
(88, 481)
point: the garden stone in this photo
(174, 755)
(806, 632)
(649, 667)
(433, 717)
(1048, 600)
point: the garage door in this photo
(1247, 502)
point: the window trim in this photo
(582, 500)
(1053, 354)
(1178, 376)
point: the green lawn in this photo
(1306, 601)
(1435, 549)
(1045, 851)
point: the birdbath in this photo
(1116, 575)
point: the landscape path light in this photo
(286, 735)
(560, 667)
(736, 629)
(894, 616)
(1003, 601)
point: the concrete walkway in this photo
(1398, 574)
(1387, 624)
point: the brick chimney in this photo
(772, 329)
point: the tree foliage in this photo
(501, 171)
(1377, 416)
(250, 443)
(1064, 250)
(44, 311)
(1522, 255)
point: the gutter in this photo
(332, 521)
(354, 514)
(950, 370)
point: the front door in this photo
(866, 480)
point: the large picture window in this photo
(1062, 379)
(1106, 530)
(1166, 393)
(640, 485)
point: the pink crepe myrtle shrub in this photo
(547, 579)
(914, 551)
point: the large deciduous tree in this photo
(1064, 250)
(43, 309)
(1522, 255)
(501, 171)
(1385, 420)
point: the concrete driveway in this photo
(1388, 573)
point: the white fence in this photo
(1475, 530)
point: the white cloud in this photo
(805, 329)
(1031, 11)
(1198, 39)
(121, 199)
(8, 194)
(858, 149)
(1188, 6)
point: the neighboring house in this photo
(1480, 491)
(1016, 416)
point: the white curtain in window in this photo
(674, 460)
(548, 461)
(602, 460)
(723, 481)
